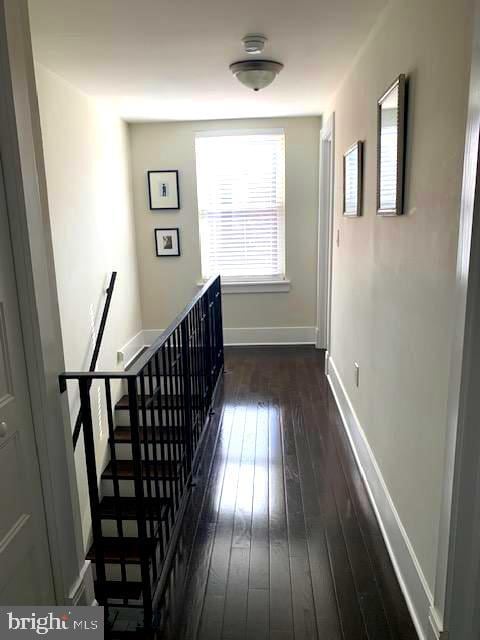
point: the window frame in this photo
(258, 283)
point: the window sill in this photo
(259, 286)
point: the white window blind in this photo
(241, 201)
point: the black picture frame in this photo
(401, 126)
(357, 149)
(171, 205)
(165, 252)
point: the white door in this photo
(325, 233)
(25, 570)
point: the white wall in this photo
(89, 194)
(168, 284)
(393, 278)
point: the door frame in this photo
(326, 186)
(454, 613)
(26, 196)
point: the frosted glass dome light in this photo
(256, 74)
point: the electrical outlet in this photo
(357, 373)
(338, 237)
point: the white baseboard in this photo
(131, 349)
(82, 592)
(232, 337)
(269, 335)
(320, 342)
(407, 568)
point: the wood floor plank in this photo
(281, 615)
(369, 593)
(236, 598)
(304, 615)
(326, 611)
(212, 618)
(399, 620)
(218, 574)
(351, 619)
(287, 546)
(242, 525)
(258, 614)
(259, 574)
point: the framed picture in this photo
(163, 190)
(353, 180)
(167, 242)
(391, 131)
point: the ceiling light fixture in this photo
(255, 74)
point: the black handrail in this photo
(162, 339)
(96, 351)
(170, 391)
(142, 360)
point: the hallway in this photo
(287, 544)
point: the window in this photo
(241, 201)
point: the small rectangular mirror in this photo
(391, 116)
(352, 180)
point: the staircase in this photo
(155, 432)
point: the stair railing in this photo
(96, 350)
(169, 397)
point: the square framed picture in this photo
(163, 190)
(352, 180)
(167, 242)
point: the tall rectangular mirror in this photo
(391, 116)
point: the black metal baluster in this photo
(115, 481)
(146, 459)
(187, 377)
(179, 409)
(193, 339)
(201, 355)
(201, 409)
(139, 500)
(167, 402)
(207, 347)
(182, 382)
(166, 487)
(89, 441)
(218, 296)
(193, 375)
(153, 429)
(173, 401)
(214, 321)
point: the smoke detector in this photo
(254, 43)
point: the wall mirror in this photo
(391, 126)
(352, 180)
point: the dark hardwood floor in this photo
(287, 545)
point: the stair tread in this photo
(125, 470)
(117, 589)
(116, 550)
(162, 434)
(157, 508)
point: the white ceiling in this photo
(168, 59)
